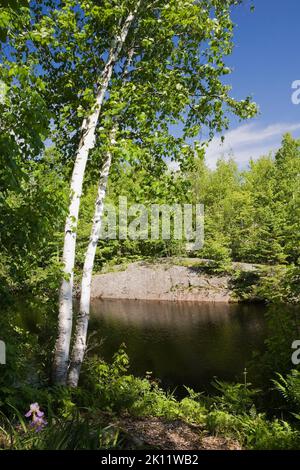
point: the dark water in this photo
(181, 343)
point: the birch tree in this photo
(169, 92)
(57, 39)
(82, 320)
(84, 308)
(87, 142)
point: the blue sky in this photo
(266, 61)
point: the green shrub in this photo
(218, 251)
(112, 388)
(289, 388)
(279, 284)
(260, 434)
(254, 431)
(222, 422)
(234, 398)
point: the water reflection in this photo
(181, 343)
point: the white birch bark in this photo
(87, 142)
(82, 322)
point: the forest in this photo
(91, 93)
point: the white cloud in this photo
(248, 141)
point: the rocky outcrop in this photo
(162, 281)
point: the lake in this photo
(181, 343)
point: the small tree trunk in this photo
(80, 341)
(87, 141)
(79, 346)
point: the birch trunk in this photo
(87, 141)
(79, 346)
(80, 342)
